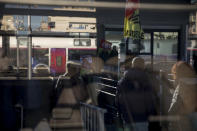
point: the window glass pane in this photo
(83, 43)
(84, 34)
(114, 37)
(146, 44)
(74, 55)
(40, 56)
(165, 50)
(76, 42)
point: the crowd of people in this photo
(148, 102)
(145, 99)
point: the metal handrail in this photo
(107, 85)
(107, 79)
(106, 92)
(92, 117)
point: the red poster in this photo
(129, 10)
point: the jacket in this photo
(183, 105)
(135, 99)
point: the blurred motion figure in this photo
(183, 103)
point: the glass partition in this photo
(165, 50)
(82, 65)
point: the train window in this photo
(76, 43)
(40, 55)
(82, 42)
(85, 43)
(85, 34)
(74, 34)
(88, 42)
(58, 60)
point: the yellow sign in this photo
(132, 28)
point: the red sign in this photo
(58, 60)
(129, 10)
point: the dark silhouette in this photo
(113, 52)
(135, 99)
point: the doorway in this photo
(58, 60)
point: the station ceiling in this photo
(107, 11)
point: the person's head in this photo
(138, 62)
(114, 48)
(182, 69)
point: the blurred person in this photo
(70, 92)
(43, 125)
(75, 84)
(85, 66)
(97, 65)
(161, 89)
(138, 62)
(104, 54)
(135, 100)
(160, 101)
(133, 62)
(114, 52)
(127, 64)
(183, 104)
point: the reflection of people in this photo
(86, 66)
(104, 54)
(85, 63)
(113, 52)
(135, 99)
(138, 63)
(70, 95)
(184, 98)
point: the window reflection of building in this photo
(115, 37)
(8, 23)
(165, 50)
(72, 24)
(146, 43)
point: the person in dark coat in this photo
(135, 99)
(113, 52)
